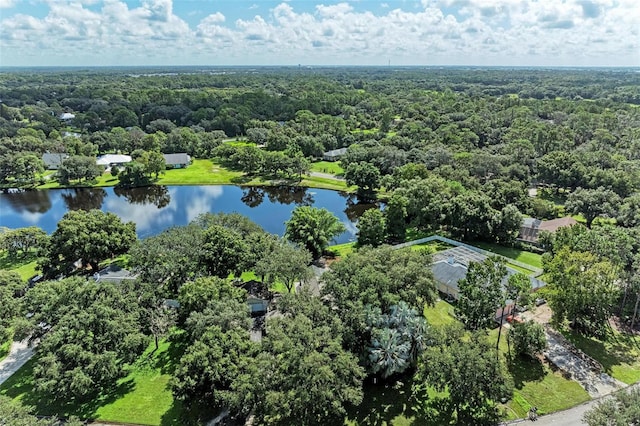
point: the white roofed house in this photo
(109, 160)
(67, 117)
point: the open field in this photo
(142, 397)
(331, 167)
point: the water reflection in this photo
(252, 196)
(156, 208)
(289, 195)
(27, 200)
(355, 209)
(84, 198)
(155, 195)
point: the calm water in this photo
(156, 208)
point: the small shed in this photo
(177, 161)
(334, 155)
(53, 160)
(67, 116)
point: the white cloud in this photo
(5, 4)
(497, 32)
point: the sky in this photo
(602, 33)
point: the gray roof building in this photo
(334, 154)
(53, 160)
(177, 160)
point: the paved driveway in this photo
(19, 354)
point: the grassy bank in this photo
(533, 259)
(208, 172)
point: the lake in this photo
(156, 208)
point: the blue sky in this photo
(310, 32)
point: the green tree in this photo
(90, 236)
(396, 217)
(313, 228)
(15, 414)
(134, 174)
(195, 296)
(285, 263)
(371, 228)
(154, 163)
(365, 176)
(583, 290)
(169, 259)
(376, 279)
(592, 203)
(621, 410)
(480, 293)
(304, 376)
(527, 338)
(95, 334)
(22, 240)
(223, 251)
(78, 168)
(11, 288)
(629, 213)
(218, 368)
(471, 375)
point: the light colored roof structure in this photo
(105, 160)
(336, 152)
(531, 227)
(67, 116)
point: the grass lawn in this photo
(200, 172)
(533, 259)
(326, 183)
(331, 167)
(142, 397)
(432, 246)
(25, 266)
(383, 405)
(618, 353)
(341, 250)
(440, 314)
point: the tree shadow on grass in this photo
(525, 370)
(241, 180)
(195, 414)
(382, 403)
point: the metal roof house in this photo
(177, 161)
(334, 155)
(53, 160)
